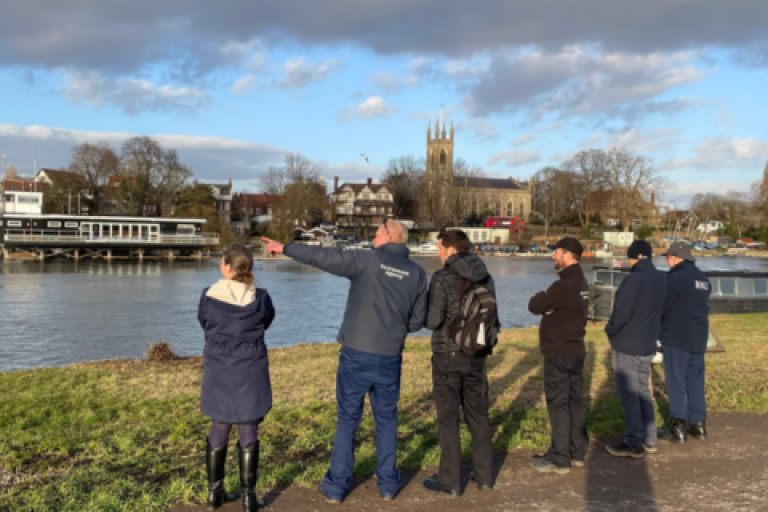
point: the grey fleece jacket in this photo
(387, 294)
(444, 296)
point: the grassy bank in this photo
(127, 435)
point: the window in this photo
(258, 211)
(474, 236)
(728, 286)
(14, 223)
(509, 209)
(485, 235)
(27, 199)
(761, 286)
(522, 209)
(8, 198)
(443, 158)
(54, 224)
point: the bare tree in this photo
(404, 175)
(589, 174)
(147, 172)
(551, 195)
(96, 163)
(303, 196)
(631, 178)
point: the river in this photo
(61, 312)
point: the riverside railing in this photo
(203, 239)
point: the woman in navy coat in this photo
(236, 389)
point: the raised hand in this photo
(272, 246)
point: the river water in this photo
(61, 312)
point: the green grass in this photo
(128, 435)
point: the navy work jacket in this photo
(685, 317)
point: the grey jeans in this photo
(632, 378)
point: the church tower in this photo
(440, 153)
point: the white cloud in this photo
(582, 81)
(521, 140)
(482, 131)
(299, 73)
(209, 157)
(390, 82)
(132, 96)
(680, 194)
(372, 108)
(243, 85)
(641, 141)
(515, 158)
(420, 62)
(721, 153)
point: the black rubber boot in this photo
(215, 459)
(676, 432)
(698, 430)
(249, 473)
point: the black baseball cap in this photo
(681, 250)
(571, 245)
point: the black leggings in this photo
(248, 432)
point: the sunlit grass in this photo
(128, 435)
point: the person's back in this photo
(635, 322)
(685, 320)
(235, 387)
(458, 378)
(387, 300)
(684, 334)
(633, 331)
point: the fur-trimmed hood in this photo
(232, 292)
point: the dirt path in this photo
(728, 472)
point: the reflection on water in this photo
(59, 312)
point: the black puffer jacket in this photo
(444, 296)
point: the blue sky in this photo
(233, 86)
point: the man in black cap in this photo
(684, 334)
(633, 330)
(561, 341)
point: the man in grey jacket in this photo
(387, 300)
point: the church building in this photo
(451, 196)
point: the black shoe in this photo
(698, 430)
(432, 485)
(650, 448)
(215, 460)
(676, 433)
(249, 473)
(480, 487)
(623, 449)
(543, 464)
(322, 492)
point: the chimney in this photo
(335, 183)
(653, 198)
(370, 181)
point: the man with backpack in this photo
(561, 340)
(462, 313)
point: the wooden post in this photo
(109, 254)
(77, 255)
(171, 257)
(200, 255)
(141, 254)
(41, 255)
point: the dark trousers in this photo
(684, 375)
(361, 373)
(633, 375)
(459, 380)
(563, 386)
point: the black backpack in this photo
(476, 326)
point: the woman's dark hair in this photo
(240, 258)
(454, 238)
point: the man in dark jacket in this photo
(458, 379)
(561, 340)
(387, 300)
(633, 330)
(684, 334)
